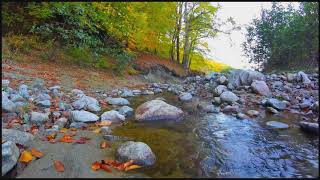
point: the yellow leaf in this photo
(132, 167)
(97, 130)
(26, 156)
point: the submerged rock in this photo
(309, 127)
(126, 111)
(277, 125)
(157, 110)
(139, 152)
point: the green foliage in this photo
(284, 38)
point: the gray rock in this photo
(39, 118)
(212, 75)
(5, 83)
(44, 103)
(76, 92)
(305, 104)
(136, 92)
(38, 84)
(208, 108)
(61, 122)
(42, 97)
(10, 155)
(78, 125)
(309, 127)
(17, 136)
(275, 103)
(64, 106)
(147, 92)
(54, 87)
(276, 84)
(106, 130)
(222, 80)
(253, 113)
(290, 77)
(157, 90)
(185, 96)
(127, 93)
(231, 109)
(23, 91)
(139, 152)
(229, 97)
(83, 116)
(7, 104)
(157, 110)
(217, 100)
(260, 87)
(113, 116)
(17, 98)
(219, 90)
(87, 103)
(126, 111)
(240, 77)
(272, 110)
(303, 77)
(118, 101)
(242, 116)
(277, 125)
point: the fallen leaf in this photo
(51, 136)
(58, 165)
(81, 140)
(73, 129)
(132, 167)
(95, 166)
(129, 163)
(63, 130)
(104, 123)
(113, 163)
(105, 168)
(103, 144)
(52, 141)
(66, 138)
(36, 153)
(26, 156)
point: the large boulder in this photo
(17, 136)
(118, 101)
(39, 118)
(87, 103)
(83, 116)
(185, 96)
(260, 87)
(113, 116)
(229, 97)
(139, 152)
(157, 110)
(7, 104)
(240, 77)
(10, 155)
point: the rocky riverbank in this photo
(31, 111)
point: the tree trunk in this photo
(186, 39)
(178, 32)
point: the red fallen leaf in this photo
(52, 141)
(129, 163)
(105, 168)
(95, 166)
(81, 140)
(66, 138)
(103, 144)
(58, 165)
(113, 163)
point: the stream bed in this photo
(219, 145)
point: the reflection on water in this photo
(217, 145)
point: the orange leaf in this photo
(105, 168)
(51, 136)
(66, 138)
(104, 123)
(26, 156)
(132, 167)
(95, 166)
(73, 129)
(103, 144)
(129, 163)
(36, 153)
(58, 165)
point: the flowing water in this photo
(218, 145)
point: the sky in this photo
(230, 52)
